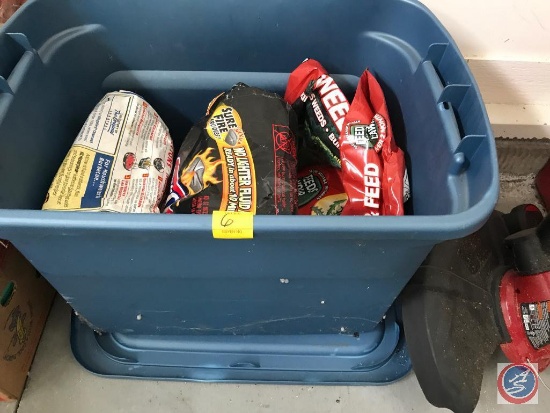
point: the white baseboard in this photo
(517, 96)
(512, 82)
(520, 121)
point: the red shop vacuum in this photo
(474, 294)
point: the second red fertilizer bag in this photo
(373, 166)
(320, 191)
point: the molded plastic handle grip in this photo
(13, 47)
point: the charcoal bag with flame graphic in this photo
(240, 157)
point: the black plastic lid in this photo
(451, 308)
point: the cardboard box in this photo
(25, 301)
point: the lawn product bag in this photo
(320, 191)
(373, 166)
(120, 161)
(321, 108)
(240, 157)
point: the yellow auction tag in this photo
(232, 225)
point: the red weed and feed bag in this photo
(357, 138)
(373, 166)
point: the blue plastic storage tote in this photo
(166, 275)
